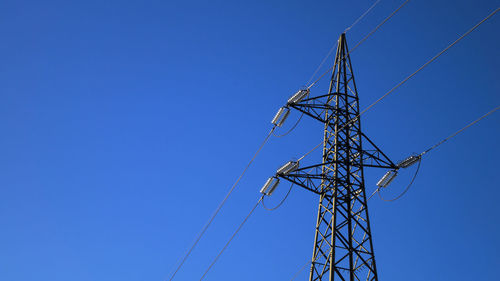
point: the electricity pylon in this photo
(343, 247)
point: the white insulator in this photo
(299, 96)
(277, 116)
(270, 186)
(288, 168)
(391, 178)
(273, 187)
(383, 179)
(387, 178)
(408, 161)
(281, 116)
(285, 116)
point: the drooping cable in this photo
(461, 130)
(410, 76)
(362, 40)
(334, 45)
(294, 125)
(291, 129)
(281, 202)
(230, 239)
(221, 204)
(407, 187)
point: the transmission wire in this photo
(461, 130)
(186, 255)
(300, 270)
(362, 16)
(429, 61)
(431, 148)
(333, 47)
(410, 76)
(230, 239)
(362, 40)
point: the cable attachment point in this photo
(281, 116)
(387, 178)
(298, 96)
(409, 161)
(289, 167)
(270, 186)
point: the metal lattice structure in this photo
(343, 247)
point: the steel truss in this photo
(343, 247)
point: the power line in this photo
(362, 16)
(221, 204)
(300, 270)
(461, 130)
(231, 239)
(380, 24)
(362, 40)
(321, 64)
(431, 148)
(334, 45)
(429, 61)
(410, 76)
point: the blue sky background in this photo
(124, 123)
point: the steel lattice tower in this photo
(343, 247)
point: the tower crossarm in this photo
(309, 178)
(374, 157)
(316, 107)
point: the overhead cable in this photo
(431, 148)
(461, 130)
(428, 62)
(362, 40)
(231, 239)
(334, 45)
(410, 76)
(221, 204)
(362, 16)
(300, 270)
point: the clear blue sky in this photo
(124, 123)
